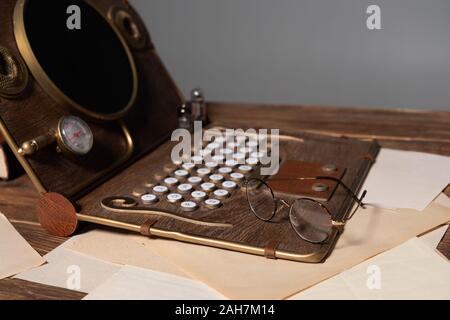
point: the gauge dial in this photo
(75, 135)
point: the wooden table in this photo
(400, 129)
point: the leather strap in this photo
(146, 227)
(271, 249)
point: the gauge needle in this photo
(75, 135)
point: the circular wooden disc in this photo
(57, 214)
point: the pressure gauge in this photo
(74, 135)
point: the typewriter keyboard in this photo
(209, 178)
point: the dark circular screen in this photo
(89, 65)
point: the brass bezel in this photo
(49, 86)
(61, 141)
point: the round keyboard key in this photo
(203, 172)
(199, 195)
(205, 153)
(212, 165)
(188, 166)
(239, 157)
(149, 199)
(218, 158)
(195, 180)
(174, 198)
(185, 187)
(252, 144)
(225, 170)
(236, 176)
(197, 159)
(213, 146)
(208, 186)
(233, 145)
(257, 155)
(171, 181)
(169, 168)
(245, 150)
(231, 163)
(252, 161)
(216, 178)
(189, 206)
(226, 151)
(221, 193)
(181, 173)
(241, 138)
(229, 185)
(213, 203)
(245, 169)
(160, 190)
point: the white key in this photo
(208, 186)
(213, 146)
(171, 181)
(149, 199)
(203, 172)
(216, 178)
(189, 206)
(213, 203)
(257, 155)
(181, 173)
(185, 187)
(236, 176)
(252, 144)
(226, 151)
(229, 185)
(197, 159)
(205, 153)
(188, 166)
(218, 158)
(212, 165)
(225, 170)
(195, 180)
(245, 169)
(245, 150)
(231, 163)
(160, 189)
(239, 156)
(233, 145)
(252, 161)
(199, 195)
(174, 197)
(221, 193)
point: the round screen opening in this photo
(90, 64)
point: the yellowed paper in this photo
(410, 271)
(16, 255)
(71, 270)
(122, 248)
(132, 283)
(241, 276)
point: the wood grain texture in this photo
(247, 229)
(18, 197)
(36, 113)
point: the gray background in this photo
(306, 52)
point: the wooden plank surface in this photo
(407, 130)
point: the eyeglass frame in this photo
(336, 224)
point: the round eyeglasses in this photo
(310, 219)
